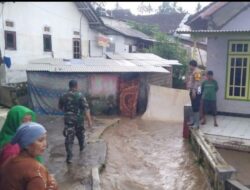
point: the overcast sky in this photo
(188, 6)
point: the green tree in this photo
(174, 5)
(166, 8)
(166, 47)
(198, 8)
(98, 4)
(117, 6)
(99, 7)
(149, 9)
(148, 29)
(142, 8)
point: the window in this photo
(10, 40)
(238, 70)
(76, 48)
(47, 45)
(46, 29)
(9, 23)
(130, 49)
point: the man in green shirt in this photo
(209, 88)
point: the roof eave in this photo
(130, 36)
(210, 31)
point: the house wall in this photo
(95, 49)
(29, 20)
(122, 43)
(217, 62)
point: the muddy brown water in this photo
(145, 155)
(240, 161)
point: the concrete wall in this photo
(122, 43)
(103, 85)
(29, 20)
(95, 49)
(217, 62)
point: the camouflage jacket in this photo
(73, 104)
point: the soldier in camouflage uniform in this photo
(74, 104)
(194, 85)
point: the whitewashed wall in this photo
(29, 20)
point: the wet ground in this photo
(77, 175)
(150, 156)
(240, 161)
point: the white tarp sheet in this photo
(166, 104)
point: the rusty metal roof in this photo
(90, 65)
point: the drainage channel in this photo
(220, 173)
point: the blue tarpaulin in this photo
(45, 89)
(7, 61)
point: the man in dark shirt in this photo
(74, 104)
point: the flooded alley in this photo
(150, 155)
(240, 161)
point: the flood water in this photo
(145, 155)
(240, 161)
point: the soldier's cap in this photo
(72, 83)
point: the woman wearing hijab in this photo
(23, 172)
(15, 117)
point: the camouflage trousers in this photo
(70, 131)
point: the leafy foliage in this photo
(198, 8)
(148, 29)
(143, 8)
(166, 47)
(99, 7)
(168, 8)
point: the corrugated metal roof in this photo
(132, 33)
(125, 29)
(212, 31)
(91, 65)
(89, 12)
(143, 59)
